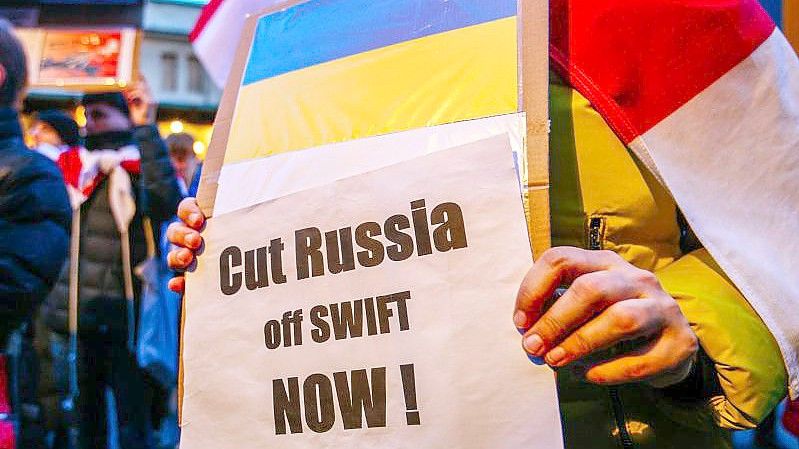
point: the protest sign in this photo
(374, 311)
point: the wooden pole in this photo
(790, 21)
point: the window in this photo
(196, 76)
(169, 72)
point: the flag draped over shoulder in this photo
(706, 94)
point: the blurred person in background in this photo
(51, 133)
(34, 239)
(54, 132)
(181, 152)
(122, 187)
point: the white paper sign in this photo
(373, 312)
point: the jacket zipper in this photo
(595, 225)
(618, 414)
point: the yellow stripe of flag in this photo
(457, 75)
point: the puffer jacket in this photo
(34, 226)
(603, 198)
(101, 283)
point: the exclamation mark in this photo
(409, 387)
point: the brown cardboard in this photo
(790, 14)
(534, 80)
(215, 157)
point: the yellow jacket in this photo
(603, 198)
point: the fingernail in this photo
(194, 218)
(537, 360)
(533, 344)
(555, 356)
(193, 239)
(183, 258)
(520, 319)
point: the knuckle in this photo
(185, 254)
(170, 233)
(672, 364)
(549, 327)
(670, 310)
(587, 286)
(637, 370)
(555, 257)
(595, 288)
(176, 258)
(610, 256)
(690, 343)
(187, 205)
(170, 260)
(579, 344)
(644, 278)
(627, 320)
(562, 258)
(173, 232)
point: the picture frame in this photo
(80, 58)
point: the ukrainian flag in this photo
(335, 70)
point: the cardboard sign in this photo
(374, 311)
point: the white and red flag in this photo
(704, 92)
(216, 34)
(85, 170)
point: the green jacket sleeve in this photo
(747, 360)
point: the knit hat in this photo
(115, 99)
(63, 124)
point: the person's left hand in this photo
(141, 103)
(607, 302)
(185, 235)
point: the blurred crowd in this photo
(90, 325)
(92, 330)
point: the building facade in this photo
(187, 97)
(175, 75)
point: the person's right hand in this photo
(185, 234)
(141, 103)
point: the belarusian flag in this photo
(706, 93)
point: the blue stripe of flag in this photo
(324, 30)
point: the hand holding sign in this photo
(186, 236)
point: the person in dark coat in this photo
(34, 240)
(124, 186)
(34, 208)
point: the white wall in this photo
(166, 28)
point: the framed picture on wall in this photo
(84, 59)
